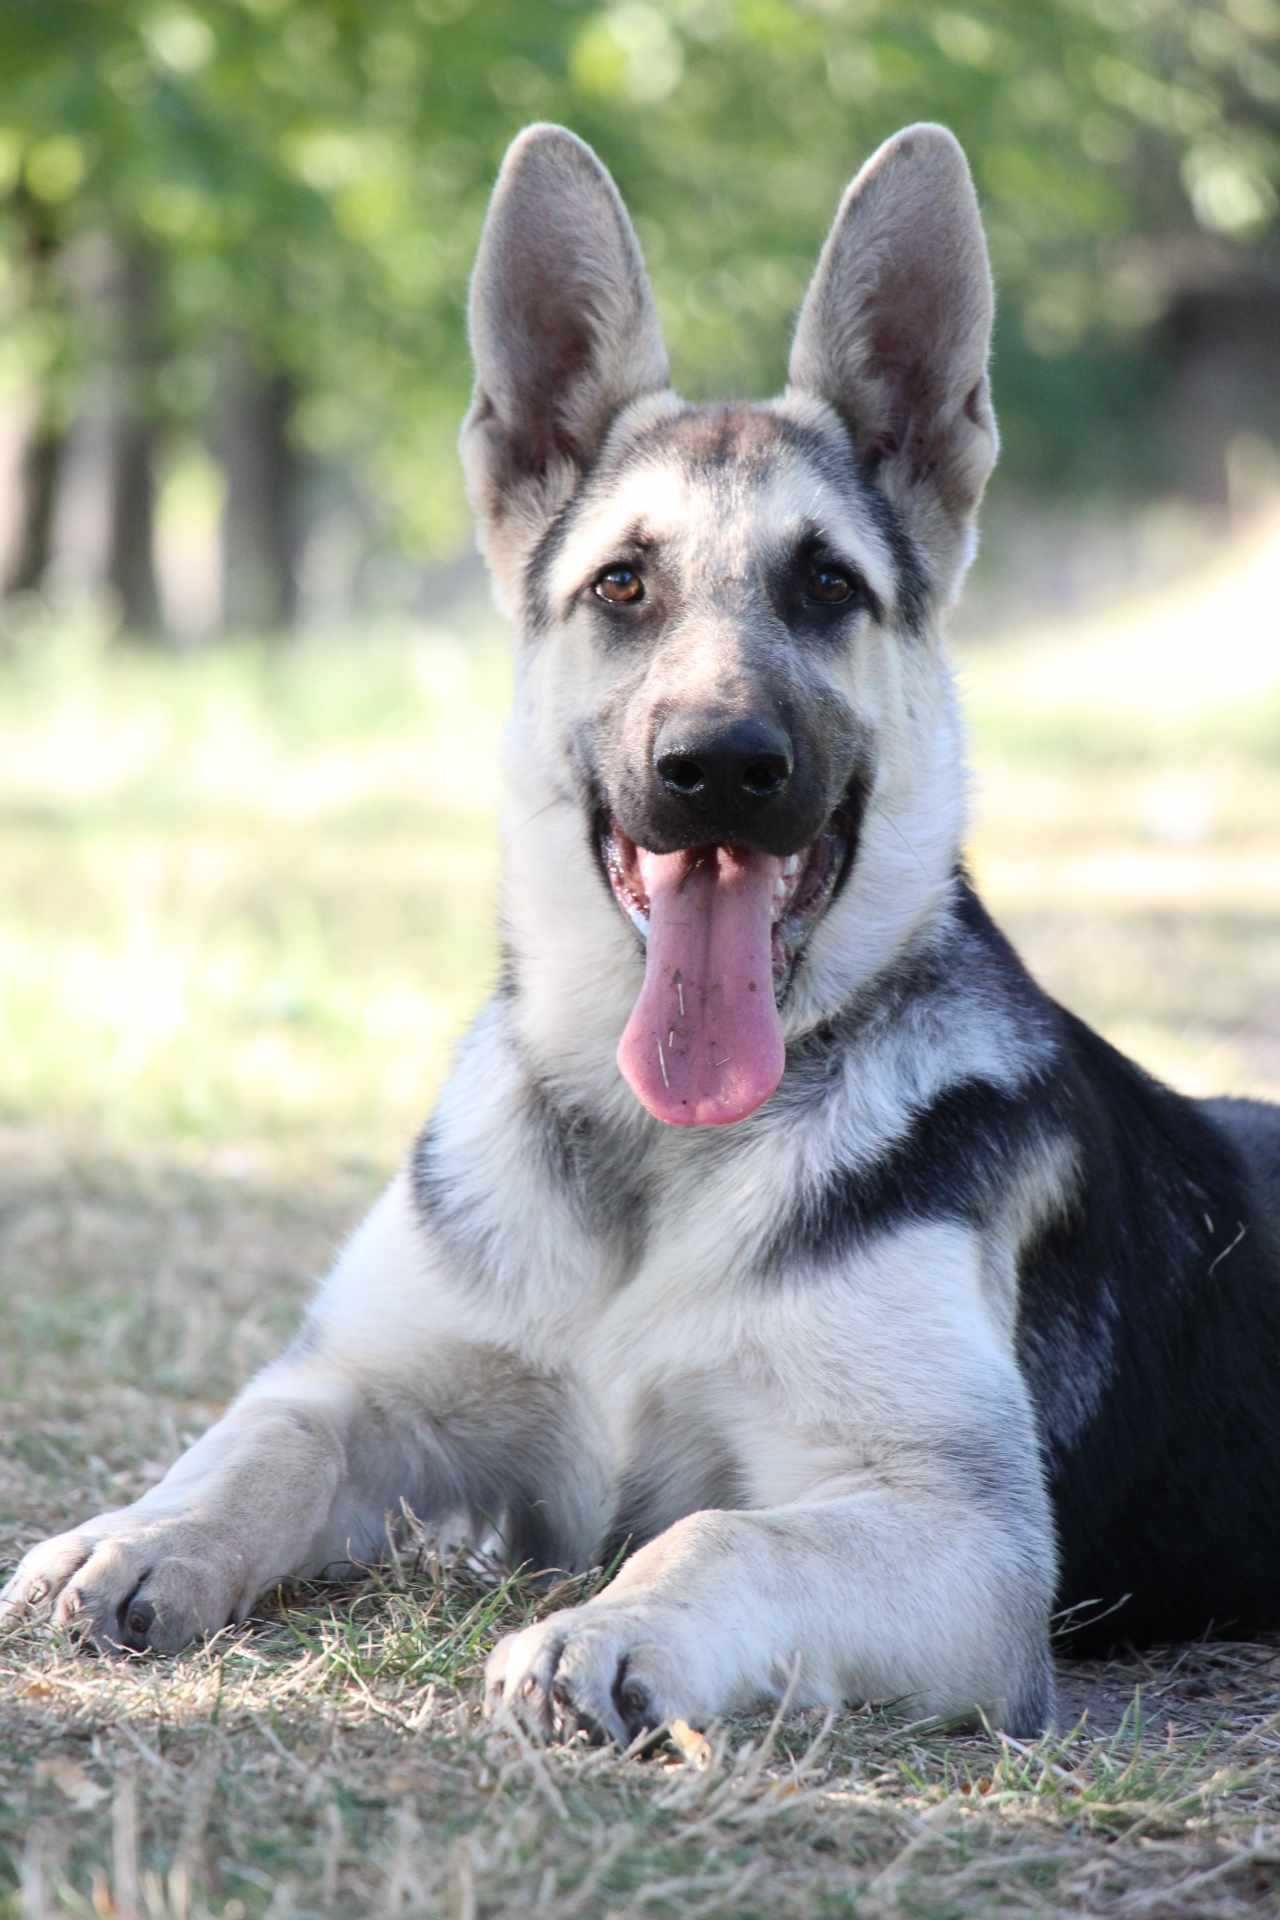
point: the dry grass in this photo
(245, 910)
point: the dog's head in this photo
(730, 676)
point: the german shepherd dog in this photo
(774, 1228)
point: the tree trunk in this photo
(130, 568)
(259, 516)
(131, 439)
(1219, 344)
(40, 469)
(41, 461)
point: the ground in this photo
(247, 907)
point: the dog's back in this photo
(1253, 1128)
(1151, 1311)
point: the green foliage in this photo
(314, 172)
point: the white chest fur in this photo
(693, 1368)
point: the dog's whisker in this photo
(556, 800)
(913, 851)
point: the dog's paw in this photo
(612, 1672)
(129, 1581)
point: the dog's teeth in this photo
(639, 920)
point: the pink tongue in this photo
(703, 1046)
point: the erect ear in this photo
(563, 333)
(895, 332)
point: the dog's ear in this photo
(895, 330)
(563, 333)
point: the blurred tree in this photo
(162, 124)
(259, 547)
(132, 428)
(310, 176)
(36, 274)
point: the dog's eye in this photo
(620, 586)
(829, 585)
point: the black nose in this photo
(721, 767)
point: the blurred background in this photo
(250, 692)
(236, 237)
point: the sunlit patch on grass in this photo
(250, 897)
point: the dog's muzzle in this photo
(723, 926)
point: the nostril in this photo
(681, 772)
(766, 775)
(712, 767)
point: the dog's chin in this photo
(807, 885)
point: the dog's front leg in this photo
(248, 1504)
(866, 1595)
(385, 1397)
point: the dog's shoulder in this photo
(928, 1099)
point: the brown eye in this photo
(620, 586)
(829, 585)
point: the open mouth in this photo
(723, 927)
(801, 887)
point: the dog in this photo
(774, 1234)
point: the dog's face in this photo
(730, 665)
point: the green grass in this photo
(249, 894)
(248, 907)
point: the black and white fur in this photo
(972, 1319)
